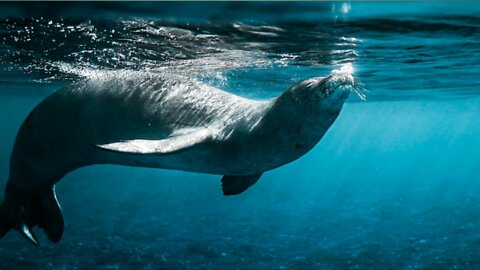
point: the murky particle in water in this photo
(164, 258)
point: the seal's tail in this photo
(23, 209)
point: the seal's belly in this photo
(207, 158)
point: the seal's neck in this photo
(288, 130)
(306, 111)
(299, 121)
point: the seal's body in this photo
(149, 121)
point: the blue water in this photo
(394, 184)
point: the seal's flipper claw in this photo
(51, 219)
(235, 184)
(26, 231)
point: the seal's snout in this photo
(342, 80)
(347, 79)
(342, 76)
(337, 84)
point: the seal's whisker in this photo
(359, 94)
(359, 89)
(360, 86)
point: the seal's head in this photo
(325, 92)
(301, 116)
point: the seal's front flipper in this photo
(233, 185)
(181, 140)
(22, 209)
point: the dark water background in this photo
(394, 184)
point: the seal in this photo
(150, 121)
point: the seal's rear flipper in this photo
(51, 218)
(23, 209)
(234, 185)
(5, 225)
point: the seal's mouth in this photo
(356, 87)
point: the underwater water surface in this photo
(394, 184)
